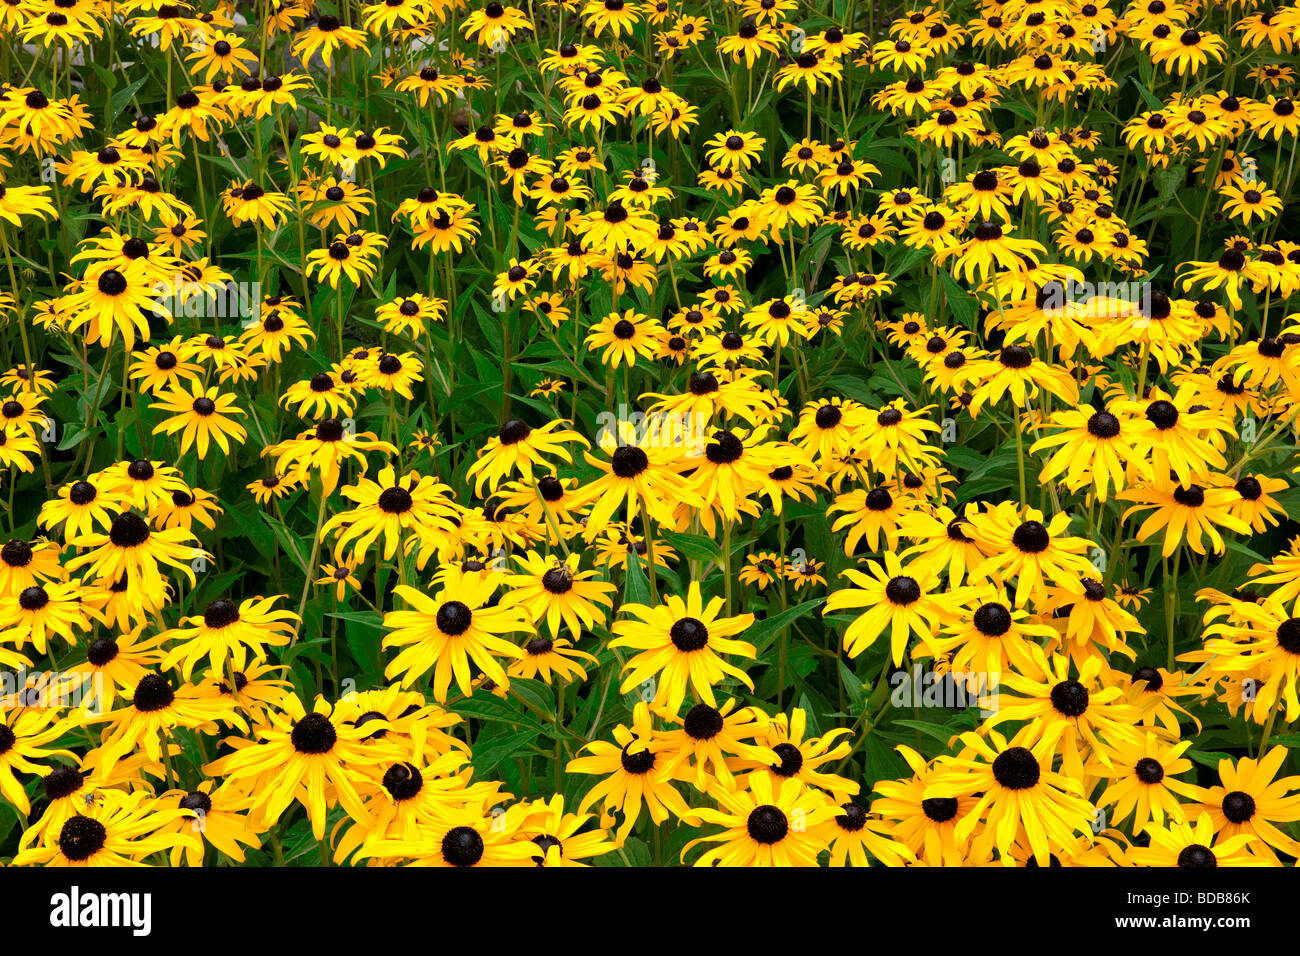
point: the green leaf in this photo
(1209, 758)
(1169, 181)
(492, 709)
(119, 99)
(363, 631)
(852, 684)
(937, 731)
(634, 853)
(636, 589)
(491, 324)
(488, 754)
(882, 761)
(852, 386)
(764, 632)
(254, 527)
(959, 300)
(696, 547)
(1153, 102)
(72, 438)
(535, 692)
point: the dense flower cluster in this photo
(648, 431)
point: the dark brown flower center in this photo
(1016, 768)
(688, 634)
(313, 734)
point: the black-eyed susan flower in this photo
(154, 711)
(556, 591)
(201, 417)
(519, 448)
(621, 338)
(734, 149)
(681, 643)
(1020, 796)
(902, 600)
(637, 775)
(768, 823)
(298, 755)
(1251, 799)
(925, 825)
(27, 733)
(1192, 844)
(1250, 200)
(1186, 513)
(447, 632)
(321, 451)
(1259, 639)
(227, 631)
(117, 829)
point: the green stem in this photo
(311, 562)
